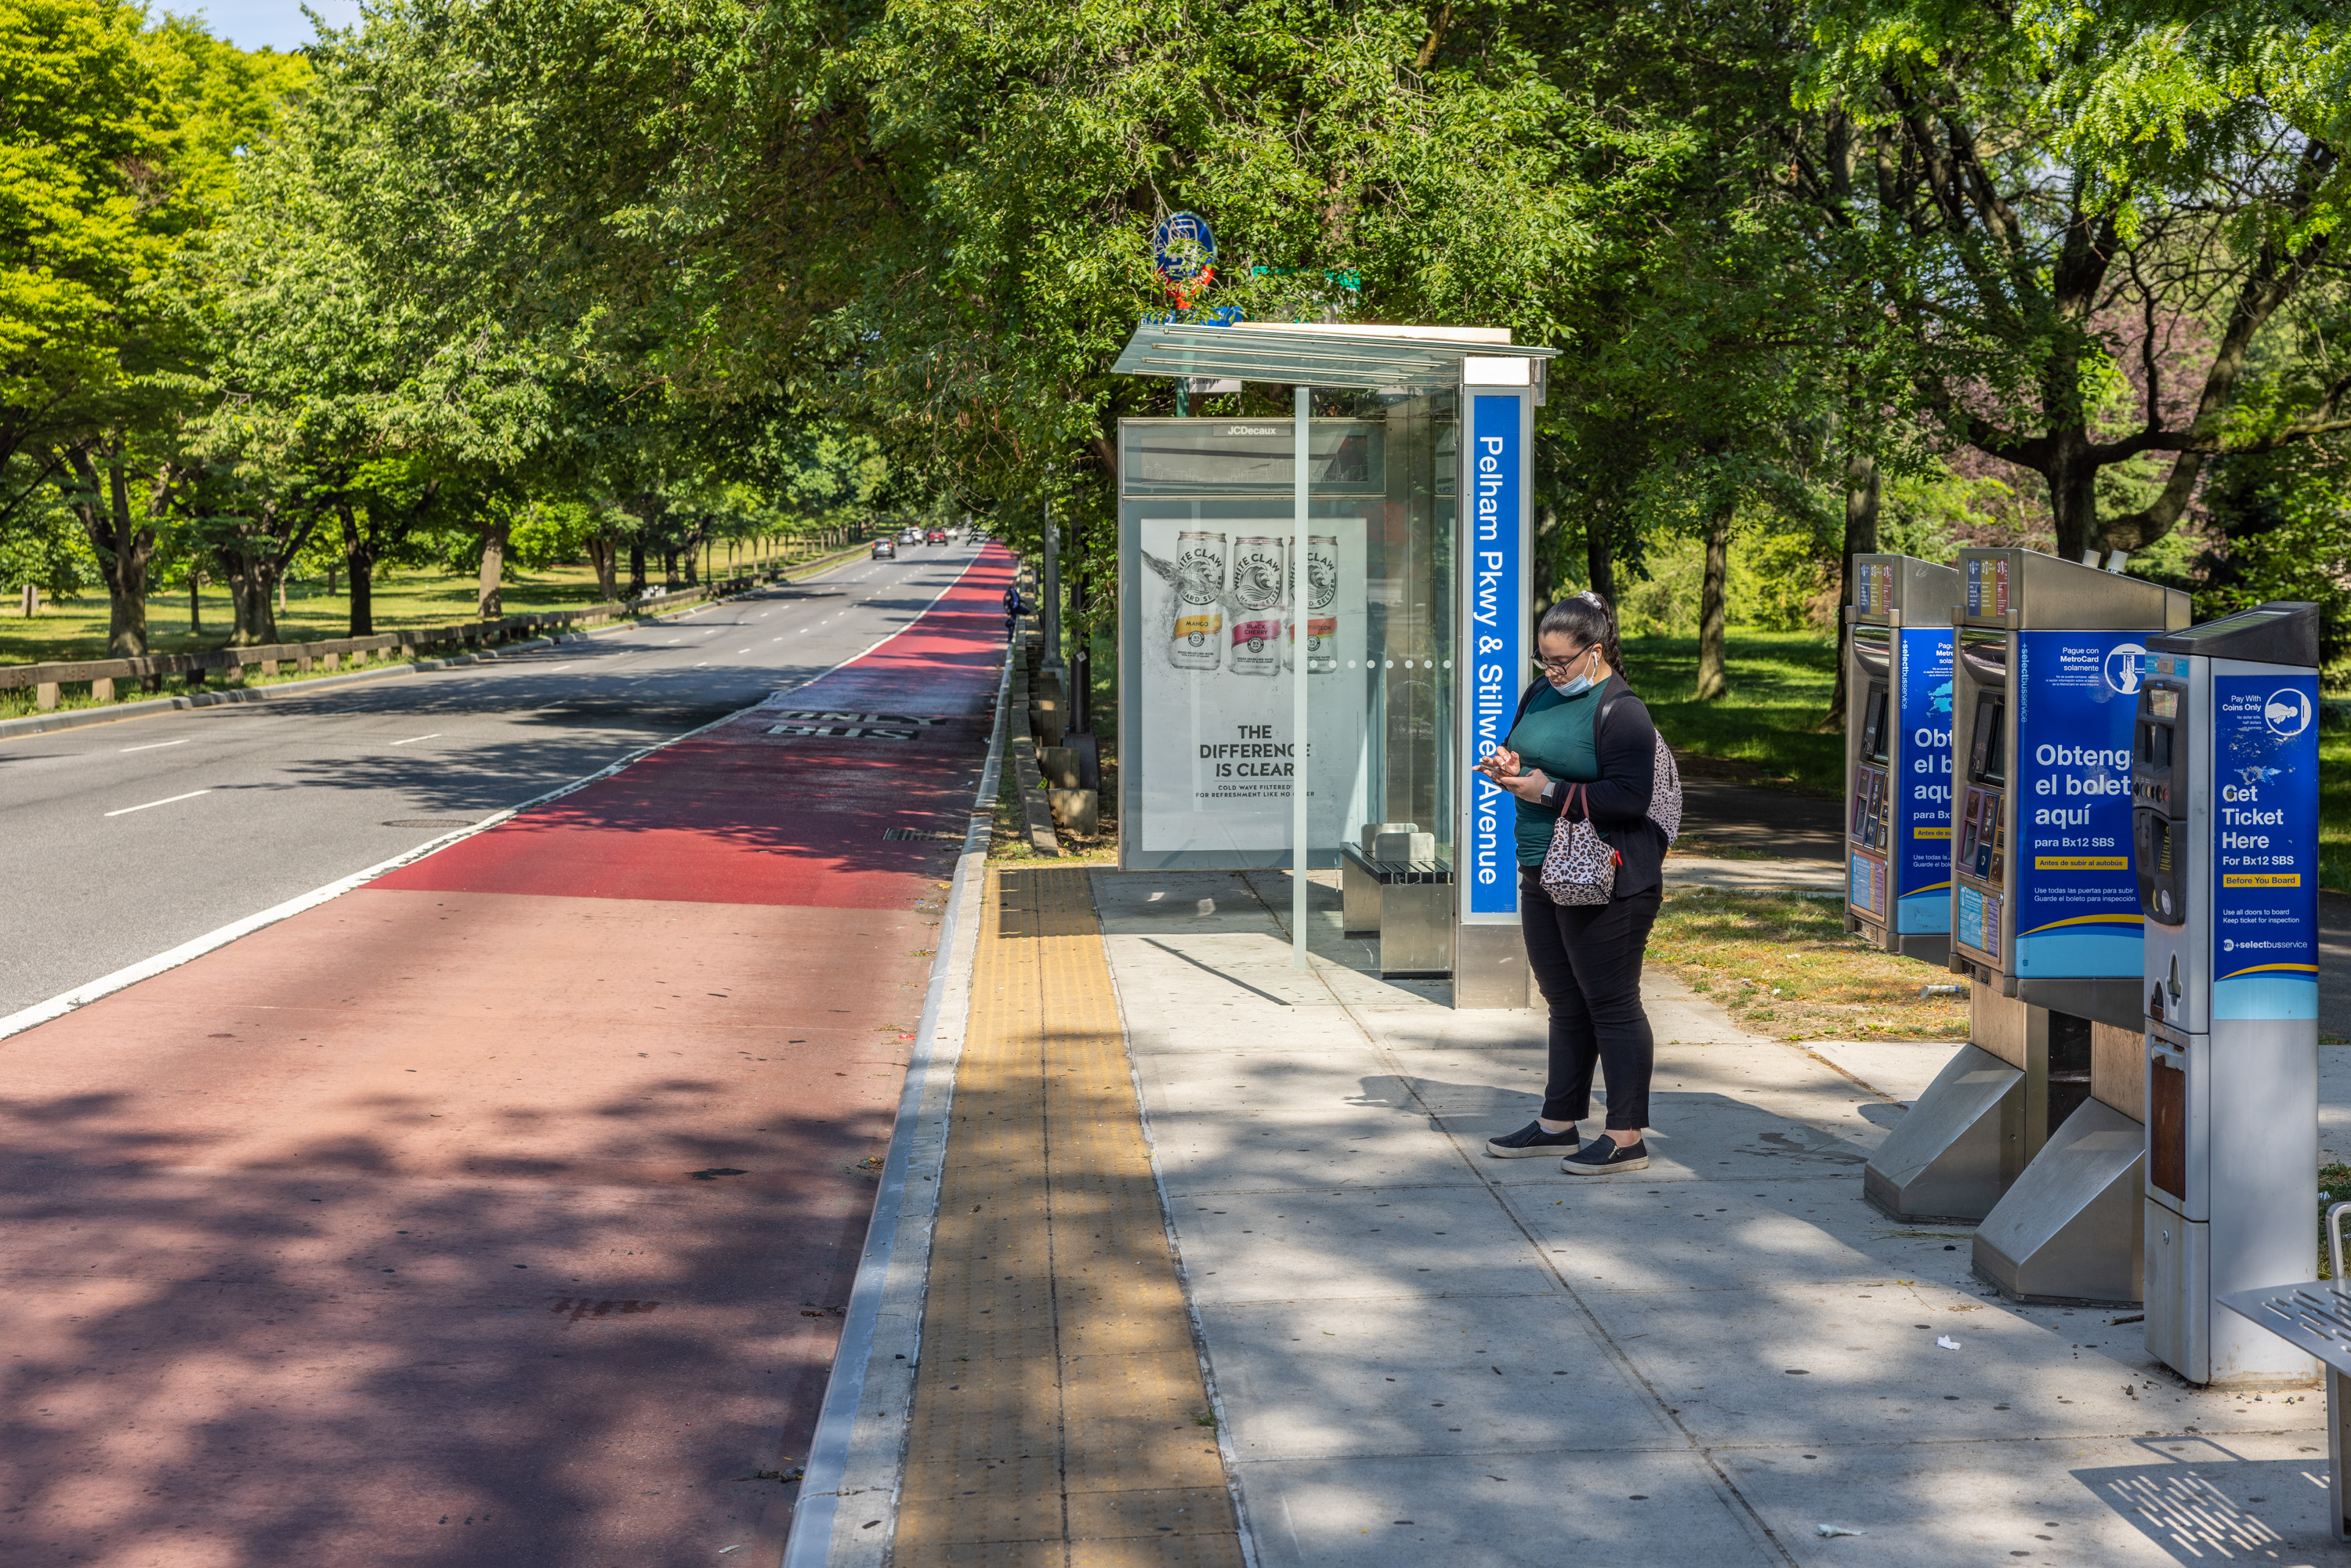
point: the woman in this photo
(1583, 746)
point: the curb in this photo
(855, 1453)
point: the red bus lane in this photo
(500, 1211)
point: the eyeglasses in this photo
(1563, 666)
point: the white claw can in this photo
(1321, 611)
(1257, 606)
(1199, 640)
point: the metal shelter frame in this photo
(1340, 358)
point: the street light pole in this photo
(1051, 622)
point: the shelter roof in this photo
(1314, 354)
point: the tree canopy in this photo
(480, 264)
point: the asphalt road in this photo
(125, 840)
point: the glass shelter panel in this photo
(1210, 632)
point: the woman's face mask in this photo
(1574, 676)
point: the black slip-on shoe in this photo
(1603, 1156)
(1532, 1140)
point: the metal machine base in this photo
(1490, 966)
(1952, 1157)
(1928, 947)
(2068, 1230)
(2119, 1002)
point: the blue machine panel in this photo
(1501, 662)
(2076, 901)
(2264, 846)
(1922, 832)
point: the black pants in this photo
(1587, 960)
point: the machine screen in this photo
(1986, 761)
(1873, 725)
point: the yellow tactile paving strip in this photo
(1059, 1415)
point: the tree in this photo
(122, 139)
(2051, 204)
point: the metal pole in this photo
(1298, 731)
(1050, 596)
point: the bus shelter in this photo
(1270, 717)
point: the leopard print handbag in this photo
(1578, 867)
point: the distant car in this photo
(885, 549)
(938, 536)
(911, 537)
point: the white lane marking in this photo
(154, 745)
(551, 669)
(436, 733)
(704, 664)
(107, 985)
(165, 801)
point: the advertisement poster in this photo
(2264, 846)
(1215, 754)
(1923, 835)
(1495, 579)
(1866, 883)
(2077, 913)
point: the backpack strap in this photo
(1605, 709)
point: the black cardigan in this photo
(1626, 743)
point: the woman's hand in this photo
(1528, 787)
(1500, 765)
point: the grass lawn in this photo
(77, 629)
(1780, 686)
(1783, 966)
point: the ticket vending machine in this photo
(2044, 926)
(2224, 821)
(1897, 769)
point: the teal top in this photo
(1555, 735)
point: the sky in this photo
(266, 24)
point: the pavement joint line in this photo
(1742, 1507)
(845, 1447)
(196, 947)
(1228, 1452)
(1091, 1367)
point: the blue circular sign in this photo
(1183, 248)
(2287, 713)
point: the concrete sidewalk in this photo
(1704, 1363)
